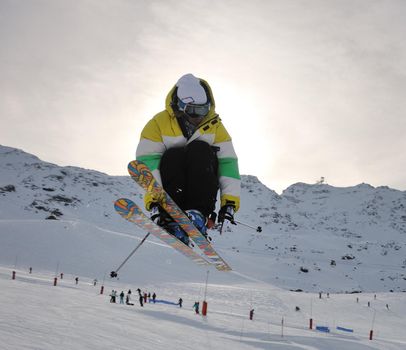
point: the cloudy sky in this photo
(306, 88)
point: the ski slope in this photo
(37, 315)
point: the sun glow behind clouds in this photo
(241, 114)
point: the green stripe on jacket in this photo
(151, 161)
(229, 167)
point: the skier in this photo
(251, 314)
(180, 302)
(128, 299)
(196, 307)
(190, 153)
(122, 297)
(113, 296)
(154, 298)
(141, 297)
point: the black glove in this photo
(226, 213)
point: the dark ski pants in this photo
(189, 175)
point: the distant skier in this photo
(251, 314)
(76, 280)
(191, 154)
(122, 297)
(128, 299)
(180, 302)
(196, 307)
(149, 297)
(141, 297)
(153, 298)
(145, 297)
(113, 296)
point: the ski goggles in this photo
(194, 111)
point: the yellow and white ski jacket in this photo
(163, 132)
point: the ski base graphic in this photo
(132, 213)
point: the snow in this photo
(38, 315)
(306, 227)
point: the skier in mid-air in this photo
(191, 154)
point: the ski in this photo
(141, 174)
(132, 212)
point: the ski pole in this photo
(114, 273)
(221, 228)
(258, 228)
(235, 222)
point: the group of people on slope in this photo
(114, 294)
(143, 298)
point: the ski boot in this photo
(161, 218)
(174, 229)
(198, 219)
(159, 215)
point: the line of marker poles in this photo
(205, 305)
(371, 332)
(204, 308)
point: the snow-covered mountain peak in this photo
(16, 156)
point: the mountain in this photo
(314, 237)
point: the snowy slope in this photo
(315, 237)
(61, 219)
(37, 315)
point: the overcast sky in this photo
(306, 88)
